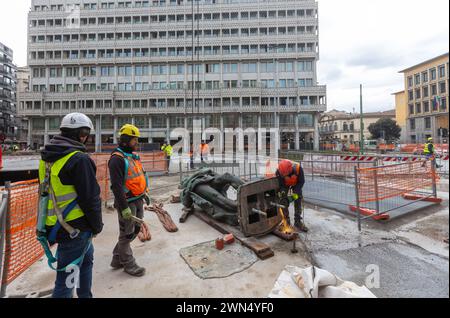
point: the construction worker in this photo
(168, 150)
(291, 179)
(429, 152)
(71, 177)
(130, 187)
(204, 149)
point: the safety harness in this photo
(45, 191)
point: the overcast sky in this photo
(361, 41)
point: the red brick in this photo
(229, 239)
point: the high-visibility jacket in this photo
(204, 148)
(136, 181)
(168, 150)
(426, 150)
(65, 194)
(292, 179)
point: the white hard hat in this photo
(76, 120)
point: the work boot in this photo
(135, 270)
(301, 227)
(115, 264)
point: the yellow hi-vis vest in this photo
(65, 194)
(426, 149)
(168, 150)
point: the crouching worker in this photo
(292, 179)
(129, 184)
(70, 212)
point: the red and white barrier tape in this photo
(358, 158)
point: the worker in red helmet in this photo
(292, 179)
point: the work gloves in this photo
(127, 214)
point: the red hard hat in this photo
(285, 168)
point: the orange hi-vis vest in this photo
(292, 179)
(204, 149)
(136, 182)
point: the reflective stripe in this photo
(52, 212)
(66, 197)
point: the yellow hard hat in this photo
(430, 139)
(130, 130)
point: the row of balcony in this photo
(173, 41)
(224, 92)
(175, 110)
(166, 59)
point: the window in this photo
(230, 68)
(433, 74)
(418, 108)
(412, 124)
(443, 103)
(410, 81)
(417, 79)
(425, 77)
(410, 95)
(124, 70)
(427, 123)
(267, 67)
(426, 107)
(442, 71)
(442, 88)
(433, 90)
(248, 68)
(418, 93)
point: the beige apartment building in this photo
(344, 127)
(422, 108)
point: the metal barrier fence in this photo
(381, 190)
(442, 159)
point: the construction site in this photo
(378, 221)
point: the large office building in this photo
(422, 108)
(7, 93)
(158, 64)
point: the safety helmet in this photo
(285, 168)
(129, 130)
(430, 139)
(76, 121)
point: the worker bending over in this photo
(129, 184)
(291, 179)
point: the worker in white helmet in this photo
(76, 216)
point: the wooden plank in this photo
(262, 250)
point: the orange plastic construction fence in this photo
(380, 183)
(22, 248)
(152, 162)
(418, 148)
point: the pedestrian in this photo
(71, 176)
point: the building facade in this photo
(425, 105)
(159, 64)
(401, 114)
(7, 92)
(344, 127)
(23, 84)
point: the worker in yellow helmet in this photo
(129, 184)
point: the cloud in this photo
(369, 42)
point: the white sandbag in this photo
(313, 282)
